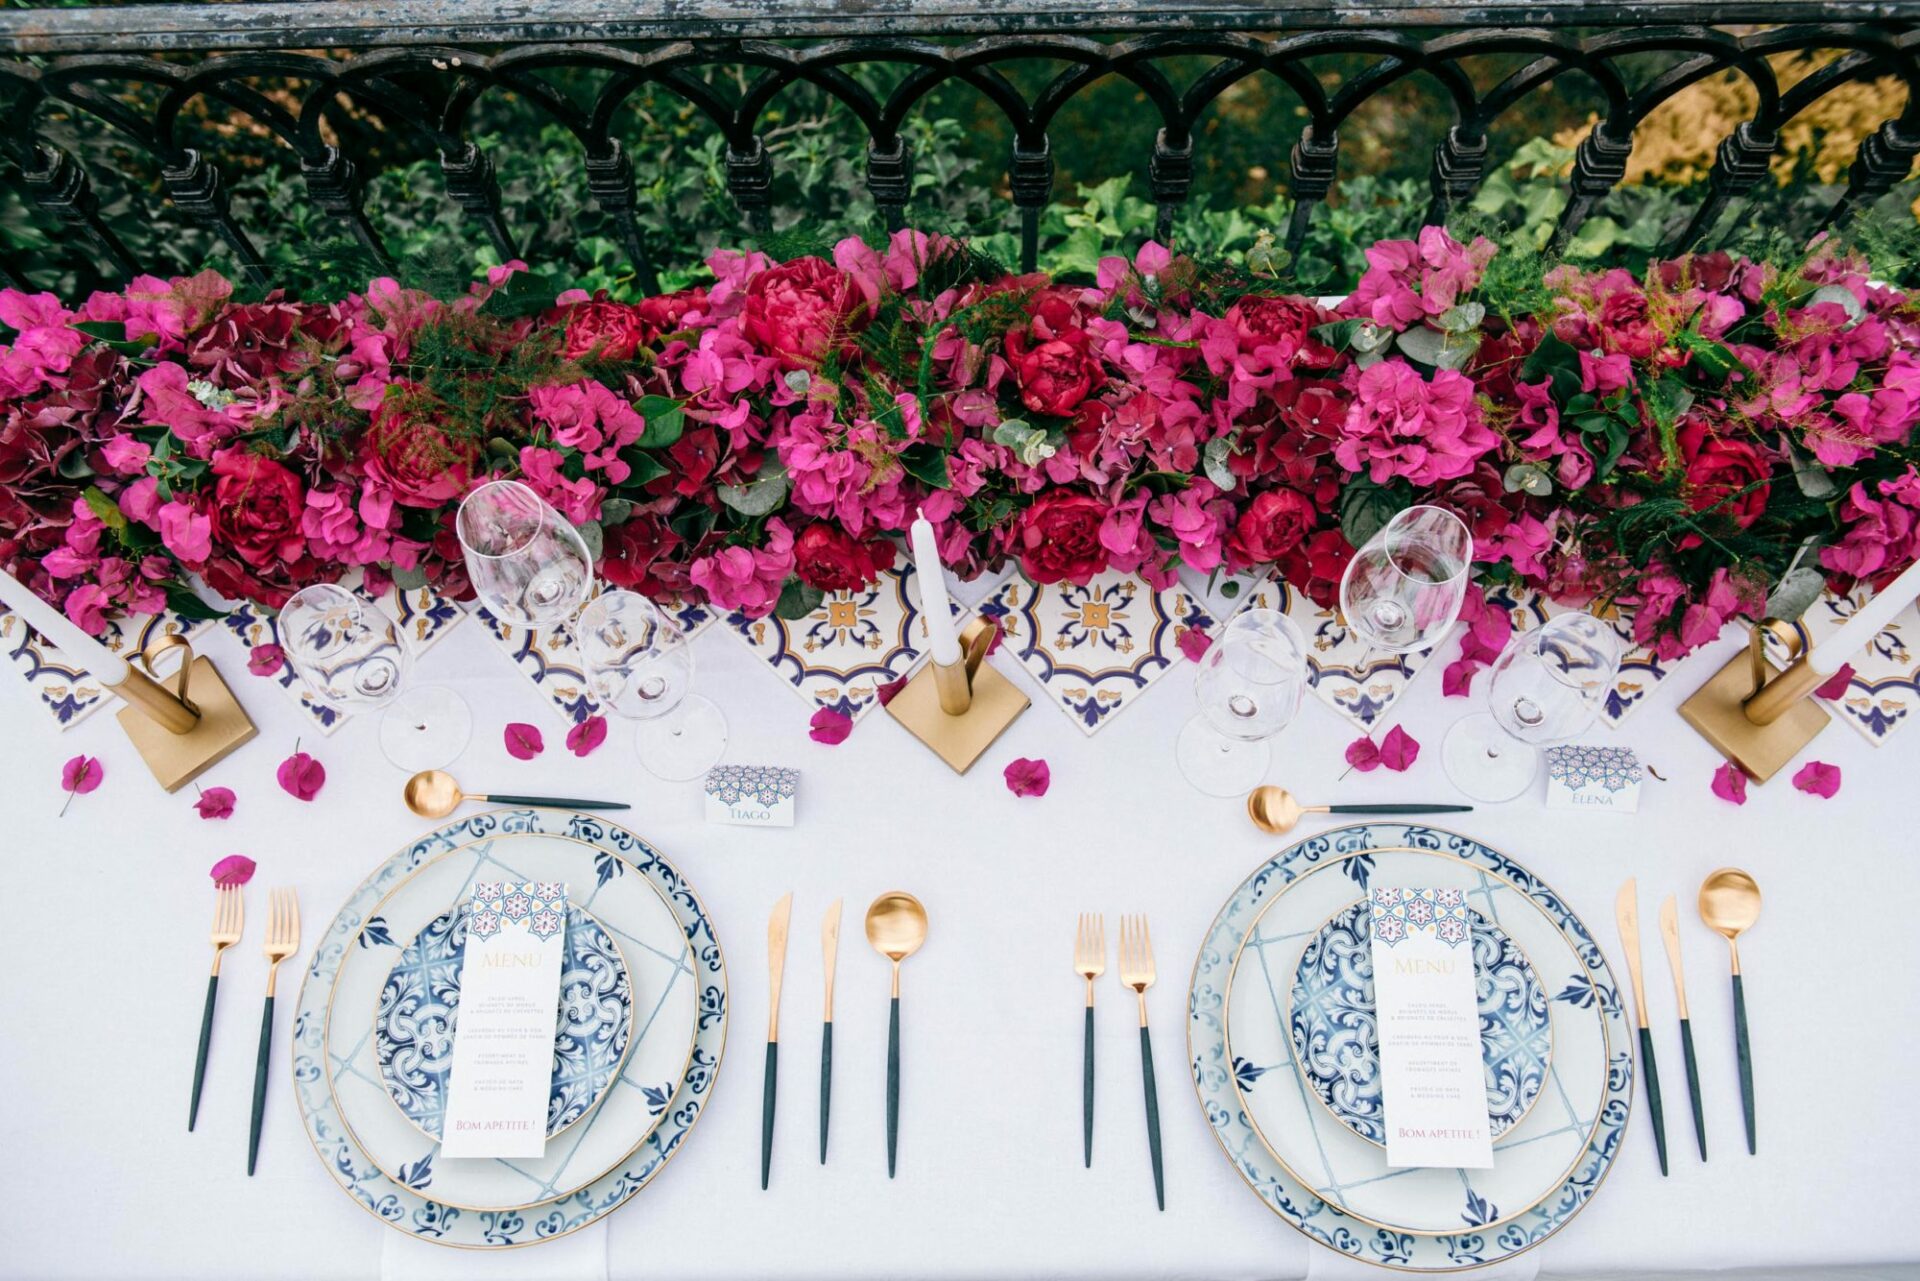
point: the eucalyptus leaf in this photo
(1338, 334)
(1368, 337)
(1838, 294)
(407, 580)
(1431, 347)
(760, 497)
(1795, 594)
(594, 537)
(1814, 480)
(1218, 451)
(616, 511)
(797, 381)
(1529, 478)
(1463, 318)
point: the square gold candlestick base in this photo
(958, 740)
(1760, 750)
(178, 759)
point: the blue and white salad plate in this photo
(1315, 1172)
(1335, 1036)
(678, 978)
(419, 1015)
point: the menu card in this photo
(502, 1071)
(1433, 1087)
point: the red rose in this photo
(633, 551)
(1059, 538)
(257, 505)
(833, 561)
(1273, 524)
(608, 330)
(424, 466)
(1286, 323)
(1625, 326)
(803, 310)
(1718, 469)
(1051, 357)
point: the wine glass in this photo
(1248, 687)
(1548, 686)
(354, 657)
(528, 564)
(1402, 591)
(640, 666)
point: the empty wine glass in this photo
(1248, 688)
(354, 657)
(528, 564)
(1402, 591)
(1547, 687)
(640, 666)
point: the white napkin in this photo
(578, 1256)
(1330, 1265)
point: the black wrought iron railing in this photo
(298, 70)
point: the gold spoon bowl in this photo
(896, 927)
(1729, 906)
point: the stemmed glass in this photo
(528, 564)
(1402, 591)
(1248, 688)
(354, 657)
(639, 665)
(1546, 688)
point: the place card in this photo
(1433, 1087)
(752, 795)
(502, 1071)
(1583, 776)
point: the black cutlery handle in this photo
(826, 1083)
(766, 1112)
(1153, 1116)
(1394, 808)
(1654, 1110)
(556, 802)
(200, 1056)
(1693, 1086)
(893, 1084)
(260, 1085)
(1086, 1091)
(1745, 1051)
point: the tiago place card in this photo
(752, 795)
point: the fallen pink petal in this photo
(524, 741)
(830, 726)
(1730, 783)
(1028, 777)
(266, 660)
(301, 776)
(234, 869)
(81, 775)
(1399, 749)
(993, 641)
(1364, 755)
(215, 802)
(1836, 685)
(1818, 778)
(1194, 642)
(587, 735)
(1457, 680)
(886, 692)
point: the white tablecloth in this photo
(104, 958)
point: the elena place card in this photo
(1594, 778)
(1433, 1087)
(752, 795)
(502, 1071)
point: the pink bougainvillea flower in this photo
(234, 869)
(1399, 749)
(215, 802)
(1836, 684)
(886, 692)
(830, 726)
(266, 660)
(1194, 642)
(1363, 754)
(587, 735)
(1028, 777)
(301, 776)
(79, 776)
(1730, 783)
(524, 741)
(1818, 778)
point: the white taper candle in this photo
(65, 635)
(933, 593)
(1867, 622)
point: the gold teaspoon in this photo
(1273, 809)
(1729, 905)
(433, 793)
(896, 927)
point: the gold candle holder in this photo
(1758, 716)
(958, 709)
(180, 735)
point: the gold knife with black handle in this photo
(776, 970)
(1626, 914)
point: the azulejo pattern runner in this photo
(1094, 649)
(1360, 684)
(62, 686)
(1884, 692)
(550, 660)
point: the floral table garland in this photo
(1676, 447)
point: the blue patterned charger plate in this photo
(414, 1030)
(644, 1121)
(1456, 1224)
(1335, 1036)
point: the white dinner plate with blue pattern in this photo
(613, 867)
(1335, 1036)
(419, 1015)
(1314, 1172)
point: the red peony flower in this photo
(667, 312)
(1052, 358)
(423, 464)
(257, 505)
(1272, 525)
(1284, 323)
(801, 311)
(1625, 325)
(607, 330)
(1059, 538)
(1718, 468)
(833, 561)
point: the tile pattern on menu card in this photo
(425, 614)
(549, 659)
(1884, 692)
(1094, 649)
(62, 686)
(841, 653)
